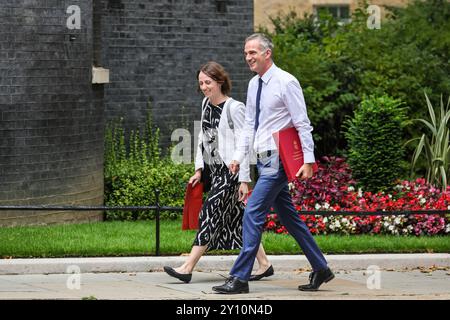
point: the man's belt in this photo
(265, 154)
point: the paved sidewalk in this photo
(413, 284)
(394, 277)
(221, 263)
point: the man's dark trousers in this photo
(272, 190)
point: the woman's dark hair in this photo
(216, 72)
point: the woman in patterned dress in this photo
(220, 220)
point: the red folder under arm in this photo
(291, 152)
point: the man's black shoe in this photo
(185, 277)
(316, 278)
(232, 286)
(269, 272)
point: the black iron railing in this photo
(158, 208)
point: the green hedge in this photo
(137, 185)
(134, 169)
(375, 143)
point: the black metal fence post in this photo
(158, 212)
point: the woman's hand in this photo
(243, 191)
(196, 177)
(234, 167)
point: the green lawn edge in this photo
(137, 238)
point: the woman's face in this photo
(208, 86)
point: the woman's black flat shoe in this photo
(269, 272)
(180, 276)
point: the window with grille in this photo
(339, 12)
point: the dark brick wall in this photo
(153, 49)
(51, 116)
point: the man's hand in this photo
(234, 167)
(305, 172)
(243, 191)
(196, 177)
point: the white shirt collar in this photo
(268, 74)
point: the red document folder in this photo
(291, 152)
(193, 202)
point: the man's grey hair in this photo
(264, 41)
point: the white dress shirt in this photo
(282, 105)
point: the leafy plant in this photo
(434, 147)
(374, 136)
(138, 150)
(134, 170)
(329, 184)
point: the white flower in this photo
(447, 229)
(391, 227)
(351, 189)
(326, 205)
(317, 206)
(325, 220)
(360, 192)
(344, 220)
(291, 186)
(422, 201)
(386, 224)
(397, 220)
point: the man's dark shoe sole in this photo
(306, 288)
(243, 290)
(232, 286)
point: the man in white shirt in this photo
(274, 102)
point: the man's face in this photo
(257, 59)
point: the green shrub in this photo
(136, 186)
(375, 143)
(134, 169)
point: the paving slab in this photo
(405, 284)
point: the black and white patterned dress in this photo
(220, 221)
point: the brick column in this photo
(51, 116)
